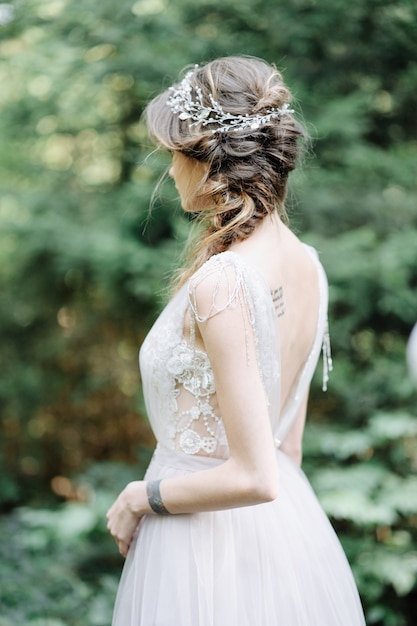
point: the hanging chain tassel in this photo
(327, 357)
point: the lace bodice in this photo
(178, 381)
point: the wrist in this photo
(155, 499)
(136, 498)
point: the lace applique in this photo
(179, 389)
(191, 368)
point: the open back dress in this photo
(273, 564)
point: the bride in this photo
(225, 529)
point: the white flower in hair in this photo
(181, 102)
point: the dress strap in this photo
(323, 304)
(327, 356)
(192, 327)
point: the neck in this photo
(271, 225)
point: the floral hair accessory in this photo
(181, 102)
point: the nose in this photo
(171, 172)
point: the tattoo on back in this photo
(278, 300)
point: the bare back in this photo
(293, 281)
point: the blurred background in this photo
(84, 267)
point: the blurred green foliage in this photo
(84, 267)
(60, 566)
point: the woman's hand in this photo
(125, 513)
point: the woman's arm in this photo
(249, 476)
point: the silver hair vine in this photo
(181, 102)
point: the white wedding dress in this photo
(273, 564)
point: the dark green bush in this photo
(84, 269)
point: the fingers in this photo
(123, 532)
(123, 548)
(121, 542)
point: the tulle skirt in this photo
(273, 564)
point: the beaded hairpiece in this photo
(181, 102)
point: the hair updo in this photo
(246, 169)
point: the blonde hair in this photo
(246, 170)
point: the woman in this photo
(225, 529)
